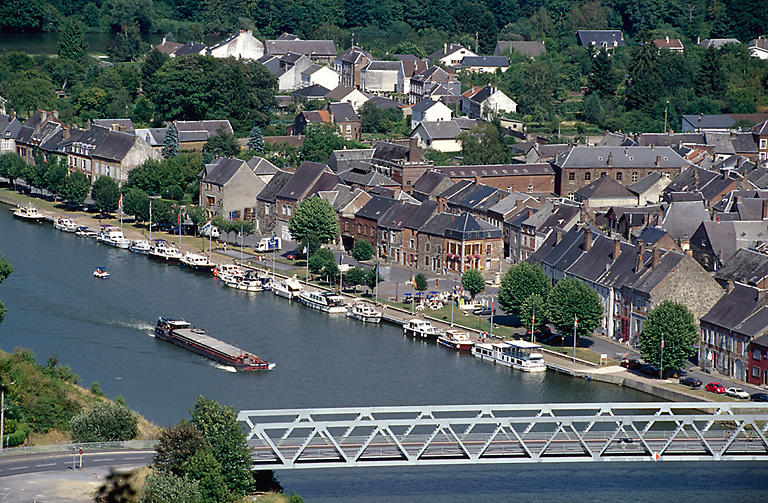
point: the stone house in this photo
(430, 184)
(349, 65)
(365, 225)
(344, 116)
(194, 134)
(241, 45)
(528, 178)
(346, 201)
(470, 244)
(714, 243)
(229, 188)
(118, 153)
(382, 77)
(309, 178)
(9, 131)
(429, 110)
(604, 193)
(319, 51)
(266, 203)
(342, 94)
(407, 253)
(305, 118)
(422, 82)
(650, 188)
(411, 66)
(442, 136)
(529, 231)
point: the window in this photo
(618, 176)
(756, 354)
(634, 176)
(210, 201)
(487, 249)
(411, 244)
(602, 174)
(349, 128)
(571, 176)
(587, 176)
(530, 188)
(426, 246)
(755, 371)
(763, 143)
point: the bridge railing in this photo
(87, 447)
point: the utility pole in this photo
(666, 108)
(661, 359)
(491, 316)
(533, 322)
(453, 300)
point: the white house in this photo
(428, 110)
(381, 77)
(442, 136)
(451, 54)
(482, 102)
(242, 45)
(318, 74)
(758, 48)
(289, 74)
(342, 94)
(485, 64)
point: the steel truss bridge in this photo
(482, 434)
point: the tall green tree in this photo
(711, 80)
(363, 250)
(318, 260)
(75, 187)
(220, 428)
(206, 469)
(472, 280)
(31, 90)
(534, 309)
(171, 142)
(136, 203)
(127, 44)
(5, 270)
(72, 43)
(481, 145)
(572, 299)
(223, 145)
(320, 141)
(256, 140)
(152, 63)
(314, 224)
(55, 175)
(674, 323)
(106, 194)
(603, 78)
(11, 166)
(644, 86)
(420, 282)
(520, 282)
(177, 445)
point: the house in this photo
(708, 185)
(368, 179)
(382, 77)
(194, 134)
(346, 201)
(391, 226)
(717, 43)
(581, 165)
(167, 47)
(715, 243)
(543, 152)
(121, 125)
(600, 39)
(266, 203)
(309, 93)
(319, 51)
(320, 75)
(118, 153)
(424, 82)
(190, 48)
(748, 266)
(650, 188)
(349, 65)
(475, 200)
(681, 219)
(229, 188)
(345, 118)
(288, 70)
(400, 160)
(670, 44)
(342, 160)
(525, 178)
(486, 102)
(760, 133)
(451, 54)
(309, 117)
(430, 184)
(38, 129)
(605, 192)
(630, 221)
(9, 131)
(701, 123)
(386, 103)
(406, 249)
(241, 45)
(530, 229)
(758, 48)
(411, 66)
(365, 225)
(442, 136)
(758, 358)
(428, 110)
(342, 94)
(532, 49)
(299, 187)
(467, 243)
(728, 328)
(485, 64)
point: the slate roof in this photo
(531, 49)
(611, 139)
(339, 93)
(605, 187)
(155, 137)
(388, 151)
(261, 166)
(342, 160)
(396, 217)
(116, 124)
(733, 308)
(425, 104)
(491, 170)
(354, 54)
(480, 61)
(11, 128)
(755, 326)
(429, 181)
(210, 127)
(411, 64)
(307, 47)
(384, 103)
(761, 128)
(315, 91)
(436, 225)
(387, 66)
(440, 130)
(434, 74)
(702, 121)
(459, 186)
(275, 185)
(470, 198)
(343, 112)
(190, 48)
(302, 181)
(466, 227)
(446, 50)
(726, 238)
(681, 219)
(221, 170)
(717, 43)
(645, 183)
(745, 266)
(509, 203)
(651, 235)
(671, 140)
(610, 38)
(551, 217)
(114, 146)
(376, 207)
(620, 157)
(327, 181)
(367, 178)
(420, 215)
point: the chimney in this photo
(587, 238)
(56, 114)
(656, 257)
(641, 247)
(658, 161)
(666, 37)
(65, 135)
(764, 213)
(414, 153)
(695, 178)
(616, 248)
(729, 286)
(638, 262)
(610, 159)
(164, 40)
(725, 174)
(445, 48)
(689, 252)
(558, 235)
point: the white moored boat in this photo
(248, 282)
(290, 288)
(521, 355)
(197, 262)
(223, 270)
(364, 312)
(160, 249)
(141, 246)
(29, 213)
(456, 340)
(64, 224)
(113, 236)
(327, 302)
(421, 328)
(86, 232)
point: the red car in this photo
(715, 387)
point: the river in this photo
(47, 42)
(103, 330)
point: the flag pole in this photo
(575, 324)
(306, 257)
(376, 286)
(661, 359)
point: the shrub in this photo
(105, 422)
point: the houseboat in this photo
(290, 288)
(113, 236)
(198, 341)
(197, 262)
(364, 312)
(521, 355)
(29, 213)
(422, 329)
(327, 302)
(456, 340)
(140, 246)
(64, 224)
(162, 250)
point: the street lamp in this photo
(2, 413)
(666, 108)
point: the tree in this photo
(105, 422)
(603, 79)
(55, 175)
(518, 283)
(644, 87)
(256, 140)
(75, 187)
(178, 444)
(372, 278)
(355, 276)
(32, 90)
(5, 270)
(314, 223)
(11, 166)
(127, 45)
(473, 282)
(72, 43)
(406, 47)
(152, 63)
(363, 250)
(320, 142)
(481, 145)
(223, 145)
(674, 323)
(572, 298)
(106, 194)
(534, 308)
(205, 468)
(91, 103)
(162, 487)
(711, 81)
(171, 142)
(220, 428)
(136, 203)
(319, 259)
(420, 282)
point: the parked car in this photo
(759, 397)
(715, 387)
(631, 364)
(292, 255)
(737, 393)
(482, 311)
(690, 381)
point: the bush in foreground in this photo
(105, 422)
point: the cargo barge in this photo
(198, 340)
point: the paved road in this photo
(33, 463)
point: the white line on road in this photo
(134, 459)
(47, 464)
(106, 459)
(18, 468)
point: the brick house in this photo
(526, 178)
(229, 188)
(345, 118)
(266, 203)
(365, 226)
(758, 360)
(398, 231)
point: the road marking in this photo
(134, 459)
(47, 464)
(18, 468)
(106, 459)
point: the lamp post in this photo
(575, 326)
(453, 300)
(666, 108)
(2, 413)
(661, 358)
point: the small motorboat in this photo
(64, 225)
(364, 312)
(86, 232)
(101, 273)
(140, 246)
(223, 270)
(29, 213)
(456, 340)
(248, 282)
(422, 329)
(290, 288)
(197, 262)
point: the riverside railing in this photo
(87, 447)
